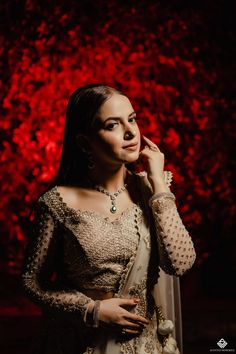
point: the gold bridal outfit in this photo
(75, 256)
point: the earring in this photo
(91, 164)
(89, 157)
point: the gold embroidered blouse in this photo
(71, 251)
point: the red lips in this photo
(131, 147)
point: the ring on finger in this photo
(123, 331)
(153, 148)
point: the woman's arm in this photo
(40, 259)
(176, 248)
(177, 253)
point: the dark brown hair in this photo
(82, 108)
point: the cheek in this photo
(138, 134)
(107, 143)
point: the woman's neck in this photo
(111, 180)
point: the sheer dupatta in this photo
(167, 295)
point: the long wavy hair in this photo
(82, 108)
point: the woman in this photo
(100, 234)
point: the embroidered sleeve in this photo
(176, 248)
(39, 267)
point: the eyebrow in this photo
(116, 118)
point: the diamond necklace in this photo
(112, 196)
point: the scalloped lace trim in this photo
(168, 176)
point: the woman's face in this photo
(116, 138)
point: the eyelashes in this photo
(111, 126)
(136, 118)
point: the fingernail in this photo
(136, 299)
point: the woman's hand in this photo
(155, 166)
(113, 312)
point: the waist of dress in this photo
(97, 294)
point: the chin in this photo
(131, 159)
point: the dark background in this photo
(176, 62)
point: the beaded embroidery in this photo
(91, 267)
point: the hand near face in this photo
(155, 165)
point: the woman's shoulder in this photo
(51, 202)
(48, 196)
(61, 201)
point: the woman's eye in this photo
(132, 119)
(111, 126)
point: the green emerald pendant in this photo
(113, 209)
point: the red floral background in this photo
(174, 61)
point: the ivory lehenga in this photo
(141, 253)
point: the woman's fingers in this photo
(128, 302)
(131, 316)
(132, 325)
(131, 331)
(137, 318)
(148, 151)
(150, 144)
(148, 140)
(117, 312)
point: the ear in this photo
(83, 142)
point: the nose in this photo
(130, 133)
